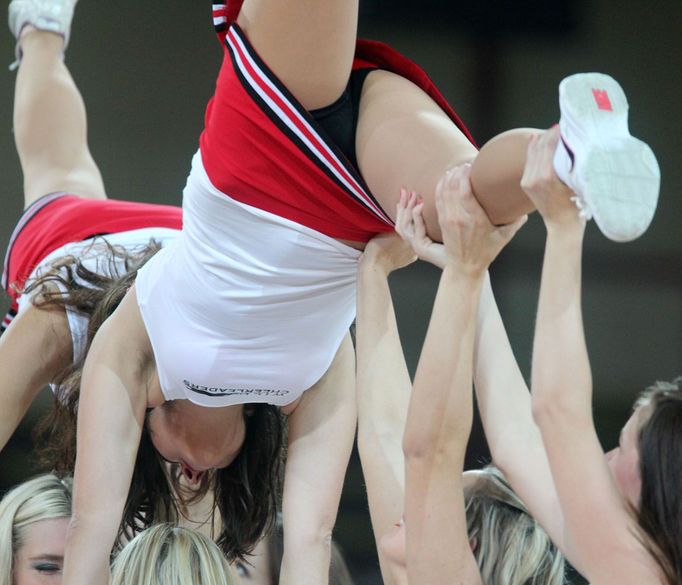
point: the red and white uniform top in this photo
(246, 306)
(252, 302)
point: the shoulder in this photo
(37, 345)
(122, 340)
(46, 329)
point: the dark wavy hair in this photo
(660, 465)
(246, 493)
(67, 284)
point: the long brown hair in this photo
(247, 492)
(660, 466)
(70, 286)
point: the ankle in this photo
(27, 30)
(30, 36)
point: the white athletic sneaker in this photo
(615, 176)
(48, 15)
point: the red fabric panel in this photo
(72, 219)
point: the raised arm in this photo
(503, 397)
(505, 406)
(599, 526)
(440, 413)
(383, 391)
(32, 351)
(111, 412)
(321, 433)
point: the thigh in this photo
(404, 139)
(84, 181)
(308, 44)
(50, 125)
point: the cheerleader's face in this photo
(40, 559)
(198, 439)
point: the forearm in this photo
(383, 393)
(101, 484)
(321, 434)
(306, 562)
(505, 405)
(438, 427)
(440, 410)
(309, 514)
(561, 378)
(84, 562)
(503, 397)
(383, 382)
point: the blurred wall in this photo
(146, 74)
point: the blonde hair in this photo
(169, 555)
(509, 545)
(45, 497)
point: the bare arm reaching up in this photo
(383, 391)
(440, 414)
(503, 397)
(599, 526)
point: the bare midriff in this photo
(356, 245)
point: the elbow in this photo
(503, 457)
(541, 409)
(417, 444)
(426, 447)
(548, 411)
(443, 436)
(311, 527)
(310, 538)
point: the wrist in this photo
(569, 226)
(573, 231)
(468, 274)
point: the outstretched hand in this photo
(471, 241)
(411, 227)
(552, 198)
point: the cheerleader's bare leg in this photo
(404, 139)
(50, 125)
(308, 44)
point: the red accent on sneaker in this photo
(602, 99)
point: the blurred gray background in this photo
(146, 70)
